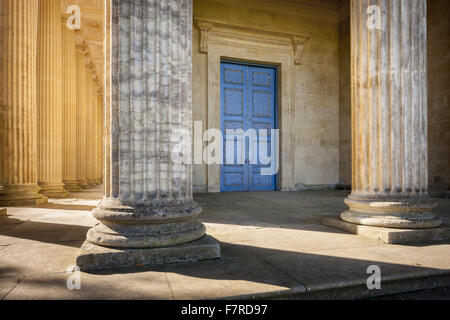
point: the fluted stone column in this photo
(149, 216)
(70, 138)
(389, 117)
(81, 116)
(49, 97)
(89, 127)
(18, 109)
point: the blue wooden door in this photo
(248, 101)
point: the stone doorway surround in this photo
(242, 43)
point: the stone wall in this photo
(315, 110)
(439, 94)
(345, 130)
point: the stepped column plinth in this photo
(81, 115)
(49, 98)
(389, 117)
(18, 108)
(69, 99)
(148, 215)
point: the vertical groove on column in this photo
(424, 96)
(18, 108)
(50, 107)
(107, 102)
(114, 109)
(354, 120)
(415, 96)
(406, 92)
(394, 22)
(384, 143)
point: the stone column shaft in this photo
(18, 108)
(149, 206)
(49, 97)
(389, 117)
(69, 71)
(81, 116)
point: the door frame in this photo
(269, 50)
(257, 64)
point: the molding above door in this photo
(245, 35)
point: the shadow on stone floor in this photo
(239, 262)
(242, 271)
(47, 232)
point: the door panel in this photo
(261, 115)
(248, 101)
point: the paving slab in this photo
(242, 276)
(127, 286)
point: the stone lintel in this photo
(95, 257)
(389, 235)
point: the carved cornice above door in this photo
(219, 32)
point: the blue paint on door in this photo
(248, 101)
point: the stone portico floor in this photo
(273, 246)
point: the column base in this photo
(21, 196)
(145, 235)
(94, 257)
(83, 183)
(3, 211)
(92, 183)
(397, 212)
(71, 186)
(389, 235)
(53, 190)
